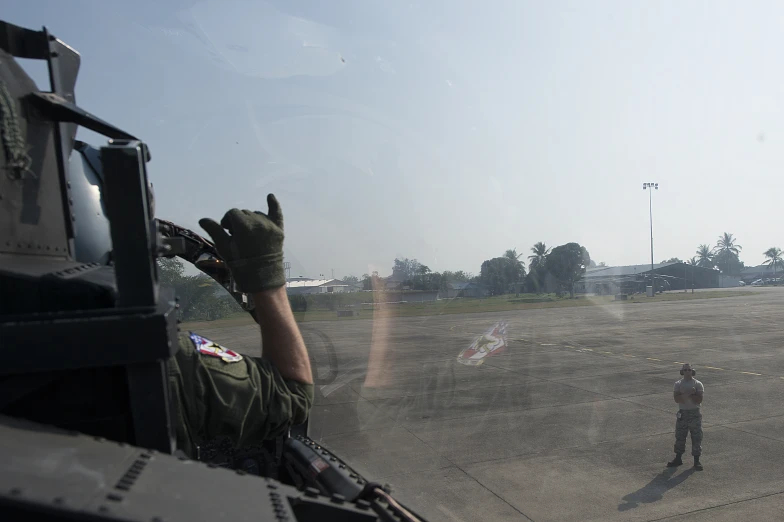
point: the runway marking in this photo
(650, 359)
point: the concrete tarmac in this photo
(575, 420)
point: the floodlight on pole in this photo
(652, 187)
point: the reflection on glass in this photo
(492, 342)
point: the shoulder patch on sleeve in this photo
(206, 347)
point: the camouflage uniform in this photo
(224, 394)
(689, 419)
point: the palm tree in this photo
(774, 259)
(726, 245)
(704, 256)
(692, 261)
(725, 256)
(512, 254)
(540, 251)
(519, 268)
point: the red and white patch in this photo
(316, 467)
(319, 465)
(213, 349)
(490, 343)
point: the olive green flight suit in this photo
(218, 393)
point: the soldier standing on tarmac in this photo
(688, 394)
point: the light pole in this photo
(651, 186)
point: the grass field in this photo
(491, 304)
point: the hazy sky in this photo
(447, 131)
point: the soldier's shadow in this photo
(654, 490)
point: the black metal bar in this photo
(64, 63)
(89, 342)
(23, 43)
(132, 226)
(149, 393)
(60, 109)
(134, 244)
(62, 77)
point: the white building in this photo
(305, 285)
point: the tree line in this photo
(411, 274)
(550, 270)
(725, 256)
(555, 270)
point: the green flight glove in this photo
(254, 250)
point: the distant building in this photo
(752, 273)
(397, 281)
(464, 289)
(304, 285)
(728, 281)
(634, 278)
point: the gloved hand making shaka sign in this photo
(253, 246)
